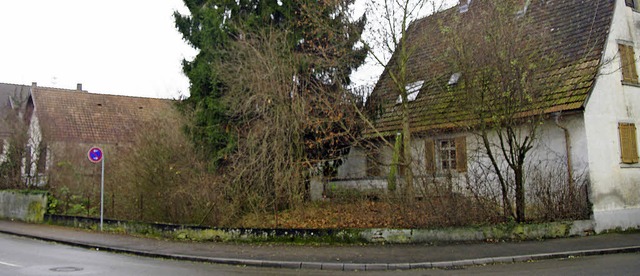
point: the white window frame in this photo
(444, 159)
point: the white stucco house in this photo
(589, 132)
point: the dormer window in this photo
(413, 89)
(455, 77)
(464, 7)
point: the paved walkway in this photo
(334, 257)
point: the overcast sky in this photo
(123, 47)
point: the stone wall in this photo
(26, 206)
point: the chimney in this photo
(79, 86)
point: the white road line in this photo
(8, 264)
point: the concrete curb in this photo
(341, 266)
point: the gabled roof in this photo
(82, 117)
(12, 96)
(579, 30)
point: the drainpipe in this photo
(567, 144)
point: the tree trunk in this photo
(406, 141)
(520, 198)
(506, 203)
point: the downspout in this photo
(567, 144)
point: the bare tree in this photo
(390, 48)
(15, 130)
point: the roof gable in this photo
(579, 30)
(12, 97)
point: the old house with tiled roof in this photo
(591, 116)
(69, 122)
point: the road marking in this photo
(8, 264)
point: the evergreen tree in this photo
(322, 32)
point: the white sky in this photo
(123, 47)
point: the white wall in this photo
(549, 153)
(35, 138)
(3, 153)
(355, 165)
(615, 187)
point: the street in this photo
(23, 256)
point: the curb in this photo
(342, 266)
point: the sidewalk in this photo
(333, 257)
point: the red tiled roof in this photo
(82, 117)
(579, 32)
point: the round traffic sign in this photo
(95, 154)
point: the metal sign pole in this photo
(102, 195)
(96, 155)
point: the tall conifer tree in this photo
(322, 30)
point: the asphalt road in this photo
(22, 256)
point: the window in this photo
(455, 77)
(446, 154)
(628, 64)
(630, 3)
(42, 160)
(27, 161)
(628, 143)
(413, 89)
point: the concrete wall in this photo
(615, 187)
(23, 206)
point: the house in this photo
(66, 123)
(589, 131)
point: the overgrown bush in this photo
(13, 149)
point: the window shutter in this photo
(430, 155)
(628, 63)
(631, 57)
(628, 143)
(461, 154)
(623, 62)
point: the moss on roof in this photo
(579, 33)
